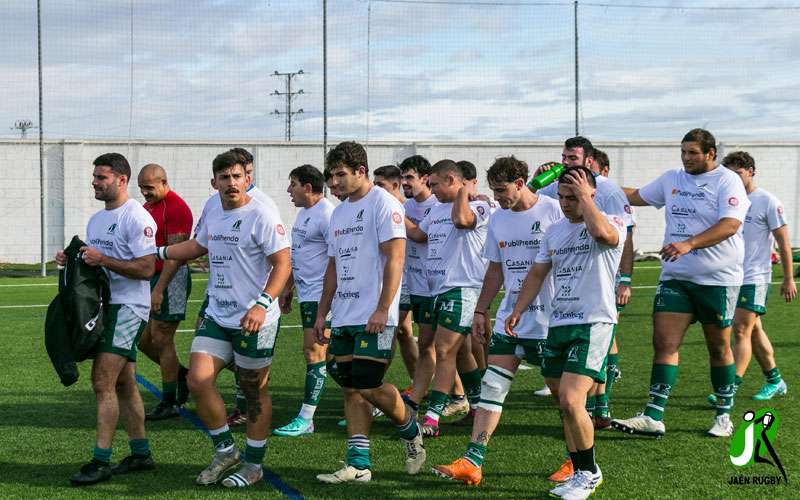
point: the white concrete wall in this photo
(70, 201)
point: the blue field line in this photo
(270, 477)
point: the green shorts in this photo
(308, 314)
(753, 298)
(422, 309)
(711, 305)
(581, 349)
(454, 309)
(249, 350)
(405, 302)
(122, 331)
(355, 341)
(176, 296)
(528, 349)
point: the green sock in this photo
(101, 454)
(436, 403)
(222, 438)
(590, 403)
(241, 401)
(409, 430)
(358, 452)
(662, 380)
(168, 390)
(316, 374)
(139, 447)
(475, 453)
(254, 451)
(611, 372)
(723, 380)
(773, 376)
(600, 403)
(472, 386)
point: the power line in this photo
(290, 94)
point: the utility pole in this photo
(290, 94)
(23, 126)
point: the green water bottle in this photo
(546, 177)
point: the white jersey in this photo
(238, 242)
(455, 256)
(693, 204)
(310, 249)
(417, 253)
(513, 241)
(125, 233)
(764, 216)
(214, 201)
(609, 198)
(584, 272)
(356, 231)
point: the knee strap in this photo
(368, 374)
(495, 385)
(341, 372)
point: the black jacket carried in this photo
(76, 316)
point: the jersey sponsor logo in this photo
(567, 271)
(348, 295)
(518, 243)
(518, 264)
(224, 238)
(360, 215)
(572, 249)
(347, 251)
(536, 227)
(236, 225)
(583, 234)
(348, 230)
(679, 211)
(559, 315)
(98, 243)
(733, 201)
(305, 222)
(688, 194)
(426, 212)
(226, 304)
(148, 231)
(111, 228)
(396, 218)
(280, 229)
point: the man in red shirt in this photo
(170, 288)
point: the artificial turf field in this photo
(47, 431)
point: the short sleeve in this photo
(619, 224)
(270, 234)
(544, 256)
(482, 212)
(180, 219)
(653, 193)
(732, 200)
(201, 222)
(141, 234)
(389, 219)
(616, 203)
(491, 250)
(550, 190)
(775, 214)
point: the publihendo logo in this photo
(754, 443)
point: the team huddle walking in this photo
(419, 244)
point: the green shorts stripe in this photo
(753, 297)
(122, 331)
(455, 308)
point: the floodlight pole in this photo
(42, 208)
(577, 76)
(324, 80)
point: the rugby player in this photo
(249, 258)
(584, 251)
(388, 177)
(309, 260)
(170, 287)
(512, 243)
(361, 287)
(764, 225)
(121, 239)
(702, 271)
(455, 232)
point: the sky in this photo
(404, 70)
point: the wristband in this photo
(625, 279)
(161, 253)
(264, 300)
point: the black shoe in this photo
(134, 463)
(91, 473)
(163, 411)
(182, 394)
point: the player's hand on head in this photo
(377, 321)
(544, 167)
(579, 183)
(253, 319)
(92, 256)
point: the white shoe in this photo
(581, 486)
(543, 392)
(723, 427)
(456, 406)
(346, 474)
(640, 424)
(415, 453)
(220, 464)
(247, 475)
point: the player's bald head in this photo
(153, 171)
